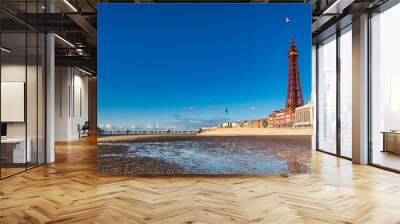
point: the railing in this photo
(146, 132)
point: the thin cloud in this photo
(195, 123)
(177, 116)
(108, 126)
(212, 108)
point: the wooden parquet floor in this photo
(70, 191)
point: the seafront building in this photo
(254, 123)
(281, 118)
(243, 124)
(228, 125)
(258, 123)
(304, 116)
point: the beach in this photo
(219, 151)
(122, 165)
(211, 132)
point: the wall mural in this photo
(204, 89)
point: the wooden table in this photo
(391, 141)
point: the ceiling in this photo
(75, 22)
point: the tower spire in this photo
(294, 96)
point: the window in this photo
(385, 89)
(22, 89)
(327, 95)
(346, 92)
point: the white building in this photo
(304, 116)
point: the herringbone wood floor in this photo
(70, 191)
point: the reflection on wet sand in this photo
(159, 155)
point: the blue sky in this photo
(181, 65)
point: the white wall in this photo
(33, 126)
(71, 102)
(61, 103)
(80, 112)
(12, 73)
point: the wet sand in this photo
(137, 166)
(295, 150)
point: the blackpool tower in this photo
(294, 95)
